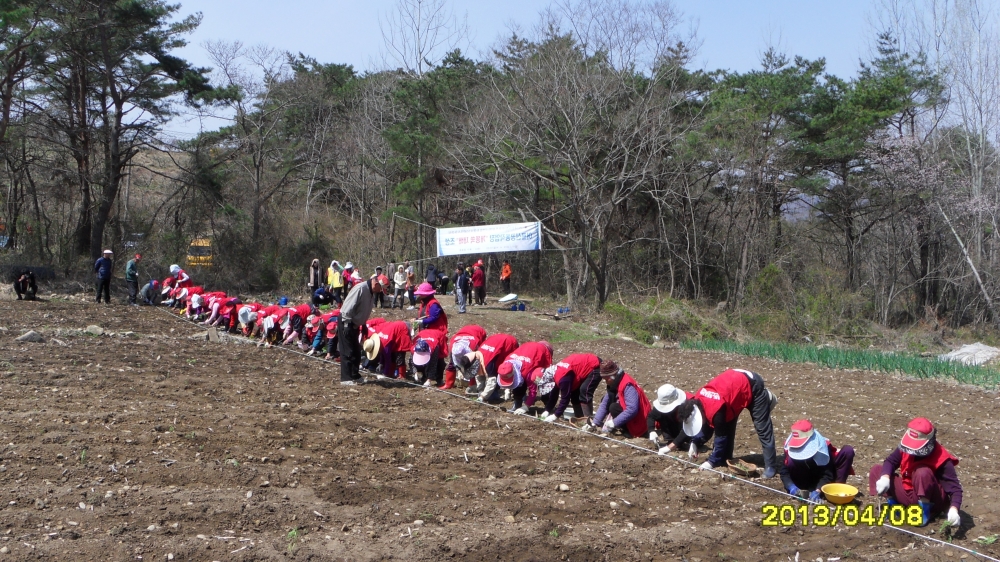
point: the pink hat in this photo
(424, 290)
(918, 432)
(802, 430)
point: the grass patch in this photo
(870, 360)
(666, 320)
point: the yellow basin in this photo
(839, 493)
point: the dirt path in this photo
(151, 444)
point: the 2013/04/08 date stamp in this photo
(788, 515)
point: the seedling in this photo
(945, 530)
(554, 533)
(986, 541)
(83, 456)
(456, 477)
(292, 537)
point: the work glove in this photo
(664, 451)
(706, 466)
(550, 418)
(815, 496)
(953, 518)
(653, 437)
(693, 451)
(587, 428)
(608, 426)
(507, 395)
(545, 414)
(882, 484)
(794, 490)
(491, 385)
(522, 410)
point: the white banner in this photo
(518, 237)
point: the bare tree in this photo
(418, 33)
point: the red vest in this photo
(434, 338)
(395, 336)
(910, 464)
(532, 355)
(497, 345)
(185, 283)
(472, 334)
(637, 425)
(579, 365)
(729, 390)
(441, 323)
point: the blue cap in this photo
(283, 301)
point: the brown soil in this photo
(151, 444)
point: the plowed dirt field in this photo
(145, 444)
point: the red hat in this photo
(506, 379)
(505, 368)
(480, 262)
(802, 430)
(138, 256)
(918, 433)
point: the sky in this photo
(732, 33)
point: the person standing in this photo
(399, 287)
(132, 278)
(335, 278)
(411, 285)
(462, 285)
(103, 267)
(505, 273)
(315, 276)
(354, 313)
(479, 283)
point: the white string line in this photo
(725, 475)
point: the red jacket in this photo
(637, 425)
(729, 390)
(910, 464)
(497, 346)
(478, 277)
(471, 334)
(434, 338)
(532, 355)
(442, 320)
(578, 365)
(183, 280)
(395, 336)
(330, 319)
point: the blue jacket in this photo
(103, 268)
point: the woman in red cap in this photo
(428, 356)
(812, 462)
(523, 360)
(430, 316)
(577, 377)
(717, 406)
(927, 475)
(624, 406)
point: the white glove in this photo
(706, 466)
(550, 418)
(663, 451)
(653, 437)
(882, 484)
(953, 517)
(507, 395)
(587, 428)
(545, 414)
(609, 425)
(522, 410)
(491, 385)
(693, 451)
